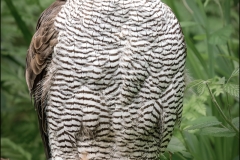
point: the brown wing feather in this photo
(40, 50)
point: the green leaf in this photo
(236, 158)
(163, 157)
(21, 24)
(200, 37)
(221, 36)
(191, 141)
(235, 72)
(201, 88)
(232, 89)
(198, 12)
(235, 122)
(217, 132)
(218, 90)
(13, 151)
(220, 80)
(196, 57)
(194, 83)
(216, 85)
(175, 145)
(203, 122)
(205, 3)
(188, 24)
(231, 58)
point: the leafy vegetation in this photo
(210, 123)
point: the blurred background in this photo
(210, 123)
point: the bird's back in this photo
(114, 84)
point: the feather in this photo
(40, 49)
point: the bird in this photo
(107, 78)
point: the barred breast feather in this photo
(108, 82)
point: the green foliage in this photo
(203, 122)
(20, 137)
(175, 146)
(220, 36)
(217, 132)
(232, 89)
(235, 122)
(210, 123)
(13, 150)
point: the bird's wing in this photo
(39, 52)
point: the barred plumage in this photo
(107, 78)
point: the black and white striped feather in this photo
(113, 83)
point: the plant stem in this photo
(221, 112)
